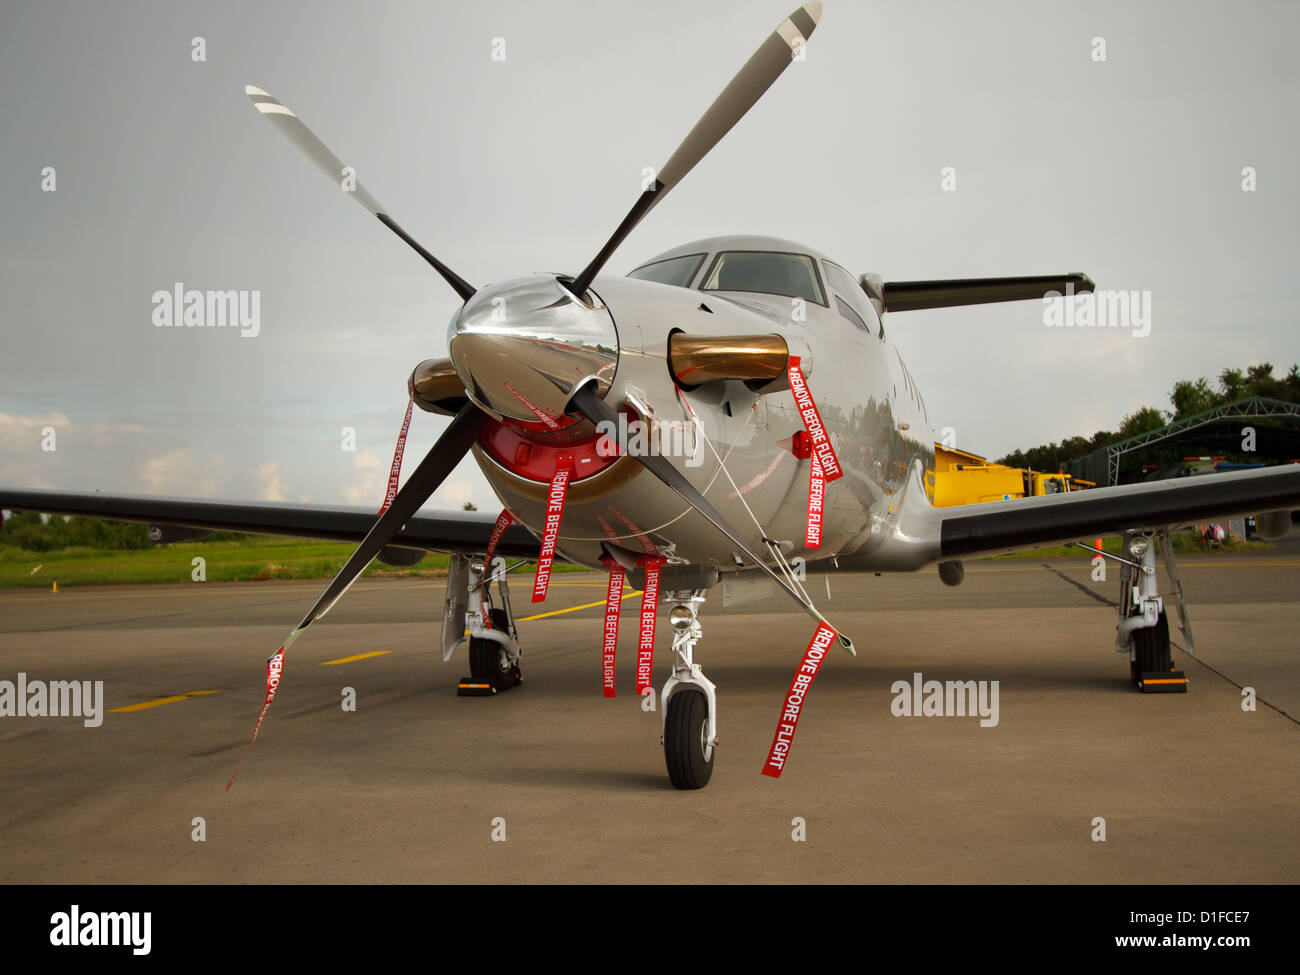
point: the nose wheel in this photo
(687, 750)
(689, 701)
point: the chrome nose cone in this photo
(524, 346)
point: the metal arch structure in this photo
(1254, 407)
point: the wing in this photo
(1000, 526)
(460, 531)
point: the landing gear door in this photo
(453, 614)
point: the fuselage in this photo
(742, 456)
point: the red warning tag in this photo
(395, 472)
(803, 678)
(812, 421)
(504, 521)
(613, 600)
(816, 501)
(645, 650)
(274, 668)
(551, 530)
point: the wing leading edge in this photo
(465, 532)
(1000, 526)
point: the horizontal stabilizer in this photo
(916, 295)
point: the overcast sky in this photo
(1127, 169)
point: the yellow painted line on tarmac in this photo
(158, 702)
(574, 609)
(359, 656)
(571, 609)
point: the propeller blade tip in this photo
(254, 90)
(813, 8)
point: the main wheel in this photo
(686, 735)
(1151, 650)
(489, 663)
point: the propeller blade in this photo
(597, 411)
(293, 129)
(439, 462)
(745, 89)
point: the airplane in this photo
(731, 411)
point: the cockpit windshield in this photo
(766, 272)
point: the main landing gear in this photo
(1143, 629)
(689, 699)
(494, 650)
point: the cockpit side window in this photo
(851, 292)
(846, 311)
(679, 271)
(766, 272)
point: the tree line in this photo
(29, 531)
(26, 530)
(1189, 397)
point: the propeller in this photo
(746, 88)
(293, 129)
(550, 343)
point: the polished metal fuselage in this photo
(745, 465)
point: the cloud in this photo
(454, 492)
(181, 472)
(24, 434)
(367, 483)
(46, 450)
(271, 485)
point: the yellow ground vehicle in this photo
(965, 478)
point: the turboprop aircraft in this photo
(807, 440)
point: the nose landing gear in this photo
(689, 699)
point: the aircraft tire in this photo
(487, 658)
(685, 731)
(1152, 650)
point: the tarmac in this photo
(551, 782)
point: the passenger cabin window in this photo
(851, 295)
(679, 271)
(766, 272)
